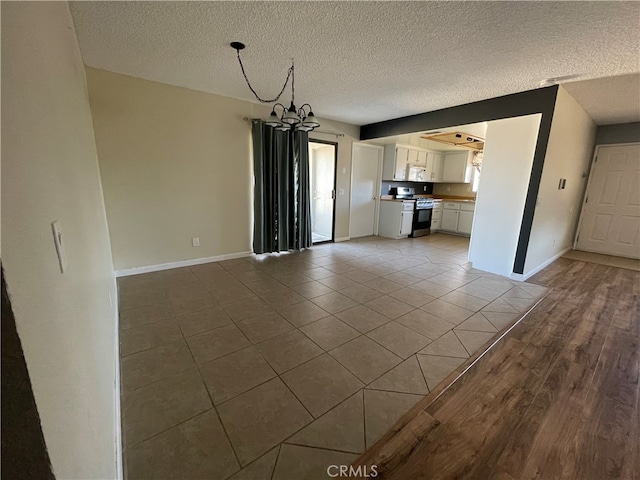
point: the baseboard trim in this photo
(524, 276)
(342, 239)
(117, 388)
(183, 263)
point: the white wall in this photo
(176, 164)
(569, 154)
(506, 169)
(66, 322)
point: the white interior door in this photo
(322, 179)
(366, 164)
(611, 212)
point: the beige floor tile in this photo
(360, 276)
(329, 332)
(231, 294)
(448, 345)
(141, 338)
(312, 289)
(425, 324)
(243, 309)
(235, 373)
(321, 384)
(306, 463)
(517, 292)
(501, 306)
(477, 323)
(365, 359)
(140, 297)
(447, 283)
(288, 350)
(473, 341)
(360, 293)
(362, 318)
(405, 378)
(334, 302)
(383, 285)
(146, 367)
(318, 273)
(216, 343)
(399, 339)
(184, 305)
(337, 282)
(447, 311)
(383, 409)
(389, 306)
(144, 315)
(300, 314)
(481, 292)
(154, 408)
(411, 296)
(468, 302)
(259, 469)
(495, 282)
(196, 449)
(500, 320)
(520, 304)
(432, 289)
(402, 278)
(341, 428)
(282, 298)
(198, 322)
(436, 368)
(258, 420)
(261, 328)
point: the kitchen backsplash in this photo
(419, 186)
(457, 189)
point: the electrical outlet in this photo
(341, 191)
(425, 188)
(195, 241)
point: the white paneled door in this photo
(611, 212)
(366, 165)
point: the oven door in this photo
(422, 222)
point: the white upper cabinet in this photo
(436, 172)
(422, 159)
(409, 163)
(457, 167)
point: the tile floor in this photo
(620, 262)
(276, 366)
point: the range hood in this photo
(459, 139)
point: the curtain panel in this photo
(282, 202)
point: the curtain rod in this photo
(316, 131)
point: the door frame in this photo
(378, 183)
(335, 182)
(586, 190)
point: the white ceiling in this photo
(362, 62)
(609, 100)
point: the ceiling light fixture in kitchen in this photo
(291, 118)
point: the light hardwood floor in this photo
(556, 398)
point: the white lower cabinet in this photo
(436, 217)
(457, 217)
(396, 219)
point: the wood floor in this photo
(555, 398)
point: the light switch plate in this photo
(58, 240)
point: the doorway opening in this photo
(323, 157)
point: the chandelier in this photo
(291, 118)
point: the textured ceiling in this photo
(609, 100)
(362, 62)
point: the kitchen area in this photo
(429, 182)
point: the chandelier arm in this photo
(289, 75)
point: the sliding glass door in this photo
(322, 176)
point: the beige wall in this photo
(66, 322)
(176, 164)
(569, 154)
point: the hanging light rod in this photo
(290, 118)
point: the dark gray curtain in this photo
(282, 204)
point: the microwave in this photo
(416, 173)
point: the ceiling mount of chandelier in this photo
(291, 118)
